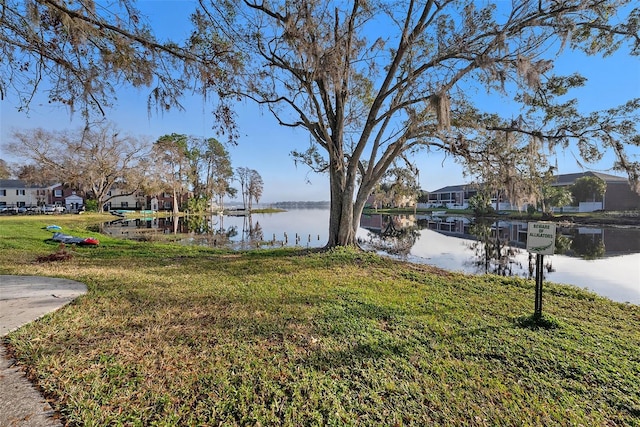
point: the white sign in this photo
(541, 238)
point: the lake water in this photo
(603, 260)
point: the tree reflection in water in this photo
(252, 235)
(210, 230)
(495, 246)
(491, 246)
(587, 246)
(491, 250)
(396, 235)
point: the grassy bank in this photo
(175, 335)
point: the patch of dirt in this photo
(62, 254)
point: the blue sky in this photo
(265, 146)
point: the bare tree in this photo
(5, 172)
(254, 187)
(367, 100)
(243, 175)
(93, 160)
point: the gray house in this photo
(618, 195)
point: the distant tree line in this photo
(97, 159)
(302, 204)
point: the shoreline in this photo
(599, 218)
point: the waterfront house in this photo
(16, 193)
(618, 195)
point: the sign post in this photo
(541, 239)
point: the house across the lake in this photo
(17, 194)
(618, 195)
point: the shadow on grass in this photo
(356, 355)
(538, 321)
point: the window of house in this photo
(124, 204)
(57, 193)
(3, 192)
(167, 205)
(21, 192)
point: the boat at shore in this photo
(237, 212)
(128, 212)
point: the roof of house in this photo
(456, 188)
(14, 183)
(570, 178)
(452, 188)
(18, 183)
(564, 179)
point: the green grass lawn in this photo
(176, 335)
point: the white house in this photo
(73, 203)
(122, 199)
(15, 193)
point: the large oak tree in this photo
(374, 81)
(371, 81)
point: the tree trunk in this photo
(244, 196)
(176, 209)
(345, 212)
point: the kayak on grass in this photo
(66, 238)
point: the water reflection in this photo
(392, 234)
(605, 260)
(297, 228)
(497, 240)
(585, 256)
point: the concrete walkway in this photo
(24, 299)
